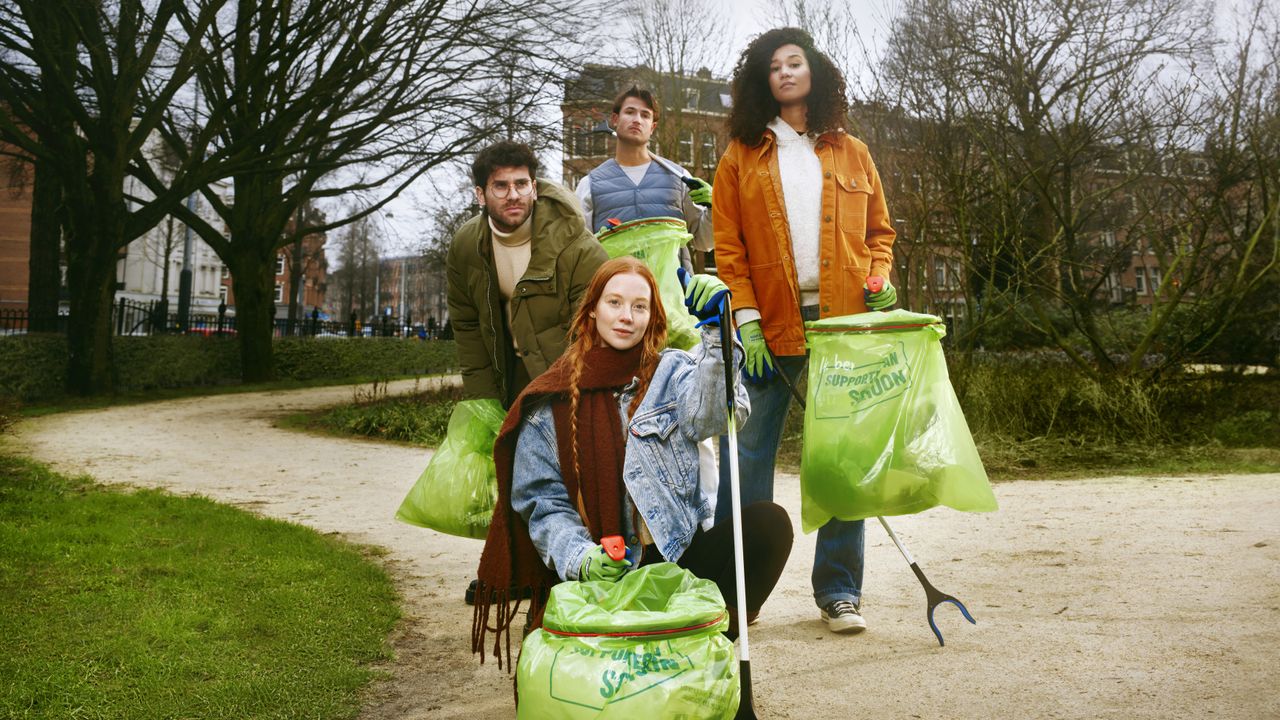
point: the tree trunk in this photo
(46, 249)
(295, 282)
(254, 285)
(91, 276)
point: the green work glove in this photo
(597, 565)
(699, 191)
(703, 294)
(759, 361)
(879, 300)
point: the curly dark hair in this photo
(753, 103)
(504, 153)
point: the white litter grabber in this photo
(745, 708)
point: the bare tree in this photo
(355, 279)
(442, 222)
(1215, 230)
(72, 75)
(674, 42)
(1050, 133)
(360, 98)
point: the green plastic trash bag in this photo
(883, 430)
(647, 646)
(656, 242)
(457, 491)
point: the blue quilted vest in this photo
(613, 195)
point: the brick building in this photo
(149, 268)
(15, 232)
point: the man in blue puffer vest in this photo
(638, 184)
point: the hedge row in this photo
(33, 367)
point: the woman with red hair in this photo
(605, 443)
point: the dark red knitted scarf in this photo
(510, 567)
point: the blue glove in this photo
(699, 191)
(703, 295)
(759, 361)
(597, 565)
(881, 298)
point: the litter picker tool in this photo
(933, 596)
(745, 709)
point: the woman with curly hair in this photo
(800, 224)
(605, 442)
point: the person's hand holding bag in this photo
(597, 565)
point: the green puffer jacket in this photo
(562, 260)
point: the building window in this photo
(939, 273)
(279, 264)
(955, 274)
(686, 147)
(279, 292)
(1155, 280)
(226, 272)
(691, 97)
(222, 294)
(1109, 239)
(1113, 286)
(1140, 280)
(581, 139)
(708, 149)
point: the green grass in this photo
(119, 604)
(420, 419)
(1057, 458)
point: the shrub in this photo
(310, 359)
(422, 418)
(1252, 428)
(33, 367)
(1041, 395)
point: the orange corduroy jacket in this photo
(753, 241)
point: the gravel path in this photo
(1129, 597)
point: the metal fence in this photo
(154, 318)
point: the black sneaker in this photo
(842, 616)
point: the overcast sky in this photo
(406, 218)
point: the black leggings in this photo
(766, 545)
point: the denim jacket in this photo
(684, 404)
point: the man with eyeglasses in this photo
(516, 272)
(637, 183)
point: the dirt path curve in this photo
(1111, 598)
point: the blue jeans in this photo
(837, 561)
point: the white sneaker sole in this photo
(845, 625)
